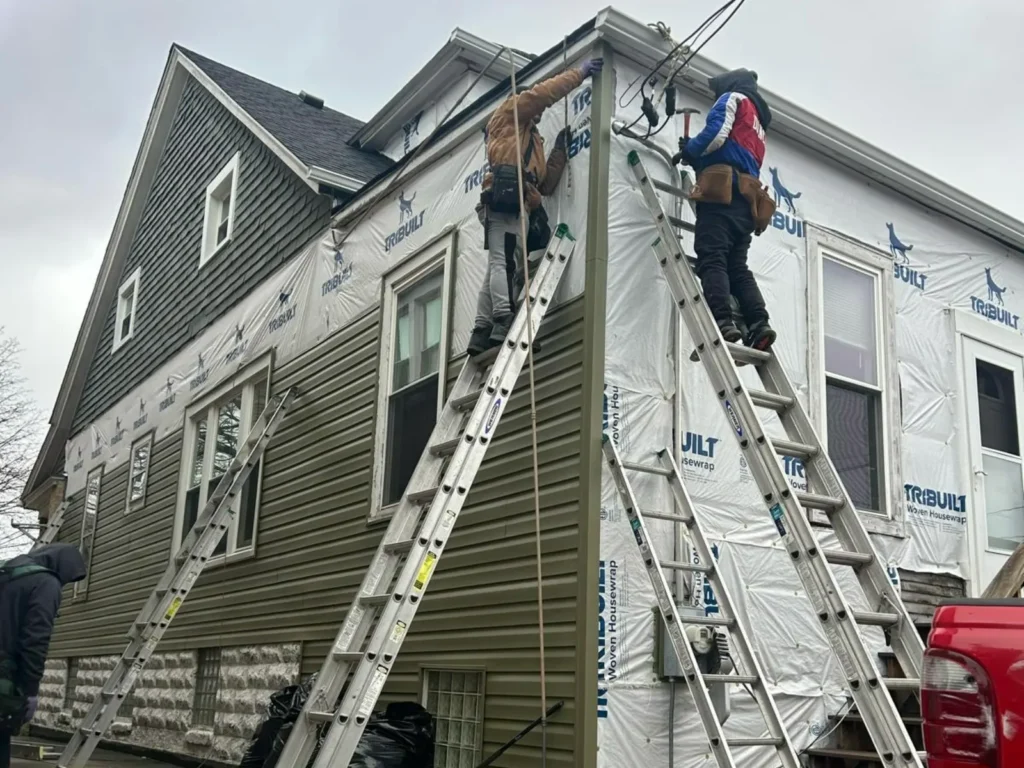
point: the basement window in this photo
(127, 304)
(90, 513)
(456, 700)
(215, 428)
(204, 702)
(219, 217)
(855, 404)
(71, 684)
(138, 472)
(414, 350)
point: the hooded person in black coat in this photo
(28, 609)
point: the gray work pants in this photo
(493, 300)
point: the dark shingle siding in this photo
(277, 214)
(316, 136)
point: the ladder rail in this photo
(362, 659)
(53, 524)
(878, 709)
(174, 586)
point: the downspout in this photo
(592, 402)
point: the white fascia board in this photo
(463, 51)
(645, 45)
(335, 180)
(287, 156)
(431, 155)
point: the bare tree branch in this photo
(19, 430)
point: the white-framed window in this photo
(138, 471)
(215, 428)
(854, 391)
(127, 305)
(90, 515)
(204, 699)
(414, 350)
(455, 698)
(219, 217)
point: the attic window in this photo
(219, 219)
(127, 304)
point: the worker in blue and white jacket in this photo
(731, 203)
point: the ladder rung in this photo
(394, 547)
(770, 400)
(750, 355)
(902, 683)
(841, 557)
(648, 468)
(667, 188)
(379, 599)
(731, 679)
(418, 497)
(319, 716)
(819, 501)
(345, 656)
(665, 516)
(675, 221)
(465, 402)
(708, 621)
(675, 566)
(798, 450)
(447, 448)
(874, 619)
(756, 741)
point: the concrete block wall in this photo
(161, 717)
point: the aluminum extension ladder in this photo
(174, 586)
(750, 671)
(399, 573)
(52, 528)
(787, 507)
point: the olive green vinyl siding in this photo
(276, 215)
(313, 542)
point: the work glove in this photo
(591, 67)
(564, 138)
(682, 155)
(31, 704)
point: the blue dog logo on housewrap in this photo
(342, 274)
(412, 128)
(901, 268)
(408, 221)
(993, 308)
(785, 222)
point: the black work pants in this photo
(5, 749)
(722, 238)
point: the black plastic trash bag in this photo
(403, 737)
(271, 734)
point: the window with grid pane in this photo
(853, 386)
(456, 700)
(215, 431)
(90, 517)
(138, 471)
(204, 704)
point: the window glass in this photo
(850, 329)
(854, 443)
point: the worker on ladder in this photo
(500, 199)
(731, 203)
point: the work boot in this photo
(480, 341)
(761, 336)
(729, 331)
(502, 324)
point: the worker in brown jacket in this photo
(500, 198)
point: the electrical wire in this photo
(533, 421)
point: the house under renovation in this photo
(264, 246)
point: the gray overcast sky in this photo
(929, 80)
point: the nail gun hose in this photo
(515, 739)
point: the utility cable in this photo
(533, 419)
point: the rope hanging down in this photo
(533, 417)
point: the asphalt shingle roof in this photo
(318, 137)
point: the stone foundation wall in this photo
(158, 715)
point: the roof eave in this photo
(334, 180)
(462, 51)
(796, 123)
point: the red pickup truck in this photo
(972, 685)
